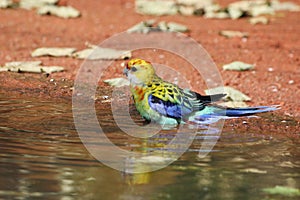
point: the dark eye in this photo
(133, 69)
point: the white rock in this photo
(29, 4)
(59, 11)
(156, 7)
(5, 3)
(142, 27)
(23, 63)
(175, 27)
(230, 34)
(117, 82)
(53, 51)
(235, 13)
(232, 94)
(287, 6)
(238, 66)
(98, 53)
(31, 66)
(258, 20)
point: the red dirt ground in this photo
(276, 45)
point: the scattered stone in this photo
(216, 15)
(232, 94)
(285, 6)
(163, 26)
(210, 9)
(53, 51)
(157, 8)
(23, 63)
(30, 4)
(172, 7)
(30, 66)
(238, 66)
(196, 3)
(6, 3)
(147, 26)
(59, 11)
(283, 190)
(196, 7)
(252, 8)
(187, 10)
(142, 27)
(230, 34)
(261, 10)
(255, 8)
(175, 27)
(235, 13)
(258, 20)
(97, 53)
(117, 82)
(2, 69)
(291, 82)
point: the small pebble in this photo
(270, 69)
(291, 82)
(52, 80)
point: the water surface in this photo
(42, 157)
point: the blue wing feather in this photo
(167, 108)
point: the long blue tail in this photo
(238, 112)
(213, 113)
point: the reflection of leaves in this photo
(283, 190)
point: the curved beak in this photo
(125, 71)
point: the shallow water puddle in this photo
(42, 157)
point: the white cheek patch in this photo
(133, 79)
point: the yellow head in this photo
(139, 71)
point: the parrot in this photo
(166, 103)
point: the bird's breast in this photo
(138, 93)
